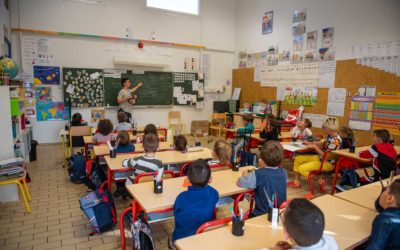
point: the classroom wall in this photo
(215, 29)
(355, 21)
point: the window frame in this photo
(173, 12)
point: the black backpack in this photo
(96, 174)
(76, 168)
(141, 234)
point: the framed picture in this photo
(267, 22)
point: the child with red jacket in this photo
(383, 153)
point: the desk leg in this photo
(135, 206)
(109, 180)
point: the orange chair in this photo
(240, 198)
(319, 172)
(286, 203)
(213, 224)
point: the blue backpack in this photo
(99, 208)
(77, 168)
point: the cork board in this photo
(349, 75)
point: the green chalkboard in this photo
(188, 89)
(156, 89)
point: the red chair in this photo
(147, 177)
(319, 172)
(122, 226)
(219, 166)
(183, 168)
(213, 224)
(240, 198)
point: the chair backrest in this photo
(240, 198)
(80, 131)
(183, 169)
(213, 224)
(218, 167)
(148, 177)
(220, 117)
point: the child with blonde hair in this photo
(304, 164)
(222, 153)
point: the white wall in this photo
(215, 29)
(355, 21)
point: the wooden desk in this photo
(167, 157)
(283, 137)
(258, 234)
(344, 154)
(239, 121)
(102, 150)
(364, 196)
(348, 223)
(223, 181)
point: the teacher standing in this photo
(126, 99)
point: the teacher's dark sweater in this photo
(193, 208)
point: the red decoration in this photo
(140, 45)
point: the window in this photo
(183, 6)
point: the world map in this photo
(48, 111)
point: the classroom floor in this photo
(57, 222)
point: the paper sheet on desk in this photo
(293, 147)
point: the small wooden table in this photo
(350, 224)
(344, 154)
(166, 157)
(102, 150)
(364, 196)
(146, 200)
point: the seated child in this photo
(304, 223)
(383, 153)
(123, 123)
(104, 131)
(221, 154)
(271, 130)
(268, 179)
(76, 120)
(304, 164)
(302, 129)
(195, 206)
(242, 132)
(386, 226)
(150, 128)
(348, 137)
(124, 145)
(180, 143)
(148, 162)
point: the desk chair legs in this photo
(26, 197)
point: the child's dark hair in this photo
(394, 189)
(123, 80)
(150, 143)
(123, 137)
(272, 153)
(76, 119)
(180, 143)
(248, 117)
(122, 117)
(307, 123)
(383, 134)
(150, 129)
(223, 151)
(105, 126)
(349, 132)
(199, 173)
(304, 222)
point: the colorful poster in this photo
(386, 114)
(43, 94)
(299, 15)
(327, 37)
(97, 115)
(312, 40)
(298, 43)
(267, 22)
(46, 75)
(306, 96)
(52, 111)
(299, 28)
(360, 115)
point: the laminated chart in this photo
(360, 115)
(386, 113)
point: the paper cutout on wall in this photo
(43, 94)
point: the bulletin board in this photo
(188, 88)
(83, 87)
(349, 75)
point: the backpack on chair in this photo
(141, 234)
(99, 208)
(95, 174)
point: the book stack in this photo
(12, 168)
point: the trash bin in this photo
(32, 153)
